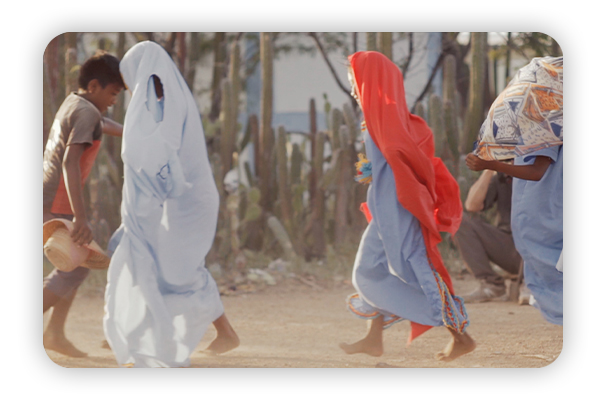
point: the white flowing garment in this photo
(160, 298)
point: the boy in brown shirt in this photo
(70, 152)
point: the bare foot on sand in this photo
(223, 343)
(372, 344)
(61, 345)
(365, 346)
(459, 345)
(226, 339)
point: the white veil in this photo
(160, 298)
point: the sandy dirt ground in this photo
(294, 325)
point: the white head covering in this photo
(160, 297)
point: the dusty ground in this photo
(296, 325)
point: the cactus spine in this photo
(337, 118)
(344, 180)
(450, 111)
(312, 183)
(420, 110)
(436, 122)
(451, 128)
(318, 199)
(236, 83)
(474, 117)
(227, 126)
(71, 67)
(371, 41)
(296, 165)
(282, 174)
(384, 43)
(266, 106)
(449, 78)
(351, 122)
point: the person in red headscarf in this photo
(399, 273)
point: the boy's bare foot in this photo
(372, 348)
(62, 345)
(223, 343)
(459, 345)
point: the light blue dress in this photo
(537, 224)
(391, 273)
(160, 298)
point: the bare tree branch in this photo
(449, 46)
(410, 53)
(326, 58)
(511, 44)
(433, 73)
(169, 46)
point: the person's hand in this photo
(475, 163)
(82, 232)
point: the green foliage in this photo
(538, 43)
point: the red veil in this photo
(424, 185)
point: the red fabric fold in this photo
(424, 186)
(365, 210)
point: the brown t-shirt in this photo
(77, 121)
(500, 193)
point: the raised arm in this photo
(111, 128)
(533, 172)
(477, 193)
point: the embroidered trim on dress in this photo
(387, 320)
(450, 313)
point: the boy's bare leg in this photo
(54, 336)
(49, 299)
(459, 345)
(372, 344)
(226, 338)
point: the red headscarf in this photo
(424, 185)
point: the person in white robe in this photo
(160, 298)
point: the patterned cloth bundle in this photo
(528, 115)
